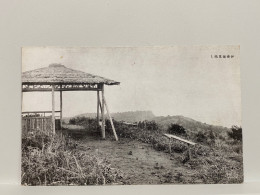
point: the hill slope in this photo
(187, 123)
(163, 121)
(130, 116)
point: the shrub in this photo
(176, 129)
(201, 137)
(72, 121)
(149, 125)
(222, 137)
(179, 147)
(235, 133)
(237, 149)
(212, 136)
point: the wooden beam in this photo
(61, 109)
(180, 139)
(103, 114)
(100, 106)
(37, 117)
(189, 143)
(46, 90)
(53, 110)
(111, 121)
(98, 102)
(38, 112)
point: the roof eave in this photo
(67, 83)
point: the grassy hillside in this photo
(57, 160)
(191, 125)
(217, 156)
(130, 116)
(163, 121)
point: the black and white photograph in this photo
(131, 115)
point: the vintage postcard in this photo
(131, 115)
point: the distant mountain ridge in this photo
(130, 116)
(187, 123)
(163, 121)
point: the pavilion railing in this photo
(38, 121)
(39, 113)
(43, 124)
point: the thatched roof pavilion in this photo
(57, 77)
(59, 74)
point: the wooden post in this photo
(53, 110)
(22, 108)
(98, 102)
(189, 153)
(111, 121)
(103, 114)
(170, 145)
(26, 125)
(45, 125)
(100, 106)
(42, 125)
(61, 109)
(22, 100)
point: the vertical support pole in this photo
(22, 100)
(100, 106)
(53, 110)
(103, 114)
(26, 125)
(61, 109)
(45, 125)
(170, 145)
(111, 121)
(42, 125)
(98, 102)
(22, 111)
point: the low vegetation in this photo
(216, 158)
(55, 160)
(177, 129)
(236, 133)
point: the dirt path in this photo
(139, 161)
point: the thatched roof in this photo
(59, 74)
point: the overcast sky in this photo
(166, 80)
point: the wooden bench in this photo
(180, 139)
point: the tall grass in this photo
(216, 158)
(54, 160)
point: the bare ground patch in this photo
(140, 163)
